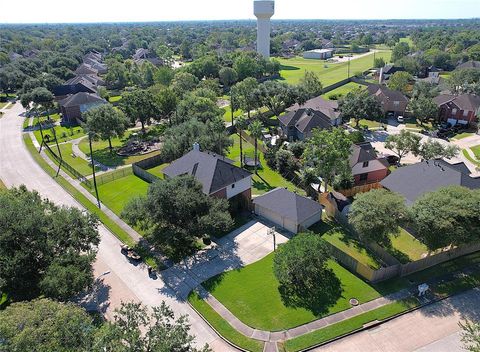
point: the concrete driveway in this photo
(432, 328)
(245, 245)
(124, 281)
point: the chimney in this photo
(196, 147)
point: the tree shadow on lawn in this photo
(318, 298)
(107, 158)
(289, 68)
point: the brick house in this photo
(217, 174)
(462, 109)
(366, 166)
(75, 105)
(391, 101)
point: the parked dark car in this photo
(392, 159)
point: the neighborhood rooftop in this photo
(415, 180)
(213, 171)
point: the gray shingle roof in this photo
(383, 92)
(213, 171)
(327, 107)
(81, 98)
(362, 152)
(306, 120)
(469, 64)
(414, 180)
(288, 204)
(468, 102)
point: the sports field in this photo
(292, 70)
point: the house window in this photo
(233, 186)
(365, 164)
(396, 103)
(363, 177)
(465, 113)
(454, 112)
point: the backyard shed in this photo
(288, 210)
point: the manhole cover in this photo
(354, 302)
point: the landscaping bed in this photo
(239, 290)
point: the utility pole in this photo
(93, 169)
(56, 142)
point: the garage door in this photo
(276, 219)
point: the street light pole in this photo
(93, 169)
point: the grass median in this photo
(222, 326)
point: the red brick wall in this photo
(372, 177)
(446, 113)
(220, 194)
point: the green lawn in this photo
(116, 194)
(463, 135)
(3, 104)
(63, 133)
(79, 164)
(407, 248)
(340, 238)
(102, 154)
(407, 40)
(473, 161)
(251, 293)
(115, 98)
(476, 151)
(294, 69)
(158, 170)
(343, 90)
(227, 116)
(222, 326)
(267, 179)
(368, 123)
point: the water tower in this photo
(263, 10)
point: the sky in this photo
(56, 11)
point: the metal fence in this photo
(114, 175)
(71, 170)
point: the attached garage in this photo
(288, 210)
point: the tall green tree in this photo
(183, 83)
(311, 84)
(200, 108)
(424, 109)
(140, 105)
(43, 325)
(176, 213)
(403, 143)
(400, 50)
(255, 129)
(180, 138)
(400, 81)
(377, 215)
(48, 252)
(432, 149)
(306, 280)
(358, 105)
(447, 216)
(106, 122)
(135, 328)
(328, 153)
(277, 96)
(166, 101)
(228, 76)
(243, 97)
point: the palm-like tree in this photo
(240, 125)
(255, 129)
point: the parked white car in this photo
(400, 119)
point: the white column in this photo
(263, 37)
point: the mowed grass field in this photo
(252, 294)
(294, 69)
(343, 90)
(116, 194)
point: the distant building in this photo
(85, 69)
(388, 70)
(318, 54)
(462, 109)
(74, 106)
(469, 64)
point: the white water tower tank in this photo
(263, 10)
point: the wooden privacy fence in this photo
(144, 174)
(140, 168)
(360, 189)
(392, 267)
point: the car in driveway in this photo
(400, 119)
